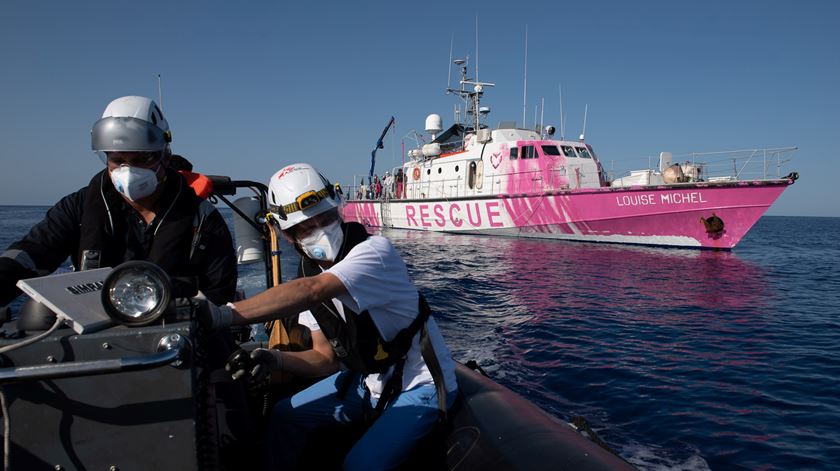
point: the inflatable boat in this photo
(82, 387)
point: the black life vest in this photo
(103, 242)
(357, 342)
(355, 339)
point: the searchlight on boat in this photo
(136, 293)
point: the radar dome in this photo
(434, 124)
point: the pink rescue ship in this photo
(523, 183)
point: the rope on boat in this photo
(15, 346)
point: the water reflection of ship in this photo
(549, 279)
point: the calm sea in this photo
(679, 359)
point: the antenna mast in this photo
(536, 108)
(562, 125)
(542, 113)
(476, 48)
(449, 74)
(472, 96)
(585, 112)
(160, 94)
(460, 92)
(525, 91)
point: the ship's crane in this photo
(379, 145)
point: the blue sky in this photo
(250, 86)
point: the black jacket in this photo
(57, 237)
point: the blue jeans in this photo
(385, 444)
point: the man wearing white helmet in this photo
(389, 185)
(134, 209)
(398, 372)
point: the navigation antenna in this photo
(449, 74)
(585, 112)
(476, 48)
(160, 95)
(471, 98)
(542, 113)
(562, 123)
(462, 64)
(525, 91)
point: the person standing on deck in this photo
(397, 368)
(377, 187)
(362, 193)
(389, 185)
(400, 183)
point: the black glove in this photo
(211, 316)
(265, 361)
(239, 364)
(256, 366)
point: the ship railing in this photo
(523, 182)
(733, 165)
(748, 164)
(390, 191)
(530, 181)
(359, 191)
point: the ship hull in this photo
(684, 215)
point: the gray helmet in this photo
(131, 124)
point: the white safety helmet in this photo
(131, 124)
(299, 192)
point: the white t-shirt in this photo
(377, 280)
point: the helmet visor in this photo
(123, 134)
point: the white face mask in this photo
(323, 243)
(133, 182)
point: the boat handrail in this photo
(171, 347)
(523, 181)
(734, 165)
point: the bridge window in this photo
(514, 153)
(583, 152)
(529, 152)
(550, 150)
(569, 151)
